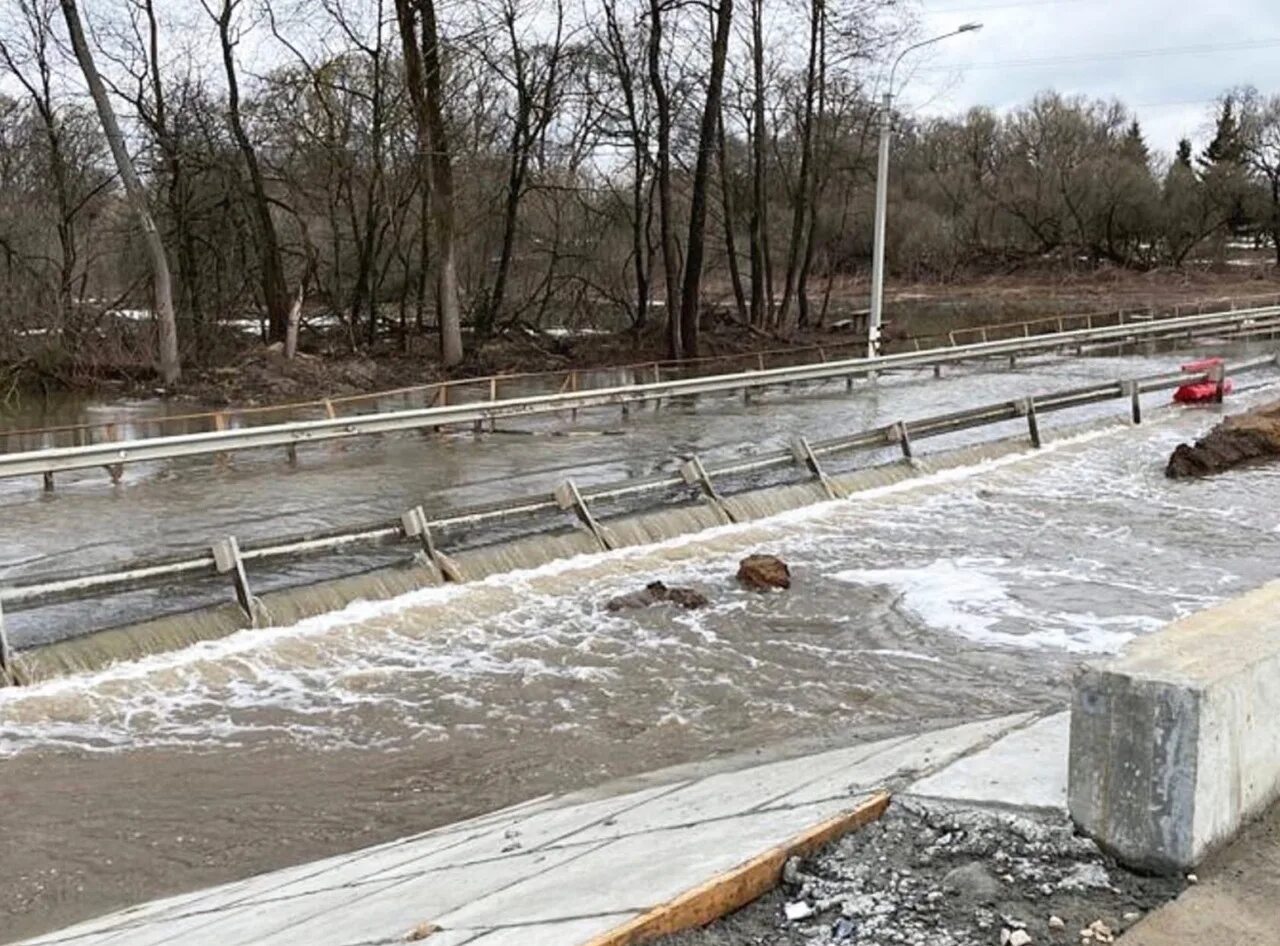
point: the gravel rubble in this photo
(928, 874)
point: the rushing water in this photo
(967, 592)
(1020, 564)
(177, 506)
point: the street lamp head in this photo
(969, 27)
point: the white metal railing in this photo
(115, 455)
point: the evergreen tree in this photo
(1222, 166)
(1183, 157)
(1226, 148)
(1134, 145)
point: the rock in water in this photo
(657, 592)
(1238, 439)
(764, 572)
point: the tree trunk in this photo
(691, 296)
(814, 190)
(730, 242)
(801, 207)
(170, 366)
(761, 280)
(275, 293)
(422, 75)
(675, 341)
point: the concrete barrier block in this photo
(1176, 743)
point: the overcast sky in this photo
(1171, 86)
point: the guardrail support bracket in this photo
(1027, 408)
(570, 498)
(1135, 400)
(8, 675)
(695, 474)
(803, 452)
(415, 525)
(900, 435)
(227, 560)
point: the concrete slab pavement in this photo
(568, 872)
(1027, 769)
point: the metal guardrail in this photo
(225, 556)
(464, 389)
(114, 456)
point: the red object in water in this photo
(1204, 364)
(1207, 391)
(1202, 392)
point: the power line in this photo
(1200, 49)
(929, 9)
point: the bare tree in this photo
(420, 38)
(170, 366)
(691, 297)
(275, 291)
(666, 211)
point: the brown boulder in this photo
(657, 592)
(1238, 439)
(764, 572)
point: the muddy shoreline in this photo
(235, 371)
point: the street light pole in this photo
(882, 193)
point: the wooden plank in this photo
(735, 888)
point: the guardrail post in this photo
(695, 474)
(114, 470)
(569, 498)
(8, 676)
(415, 525)
(900, 435)
(1218, 374)
(226, 559)
(803, 452)
(1135, 400)
(1027, 407)
(220, 425)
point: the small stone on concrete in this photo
(1019, 938)
(798, 910)
(1057, 923)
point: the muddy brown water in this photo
(968, 593)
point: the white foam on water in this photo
(968, 597)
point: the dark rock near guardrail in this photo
(764, 572)
(1239, 439)
(657, 592)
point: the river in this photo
(970, 592)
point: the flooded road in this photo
(968, 592)
(181, 506)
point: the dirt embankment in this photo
(1240, 439)
(234, 369)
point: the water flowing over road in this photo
(964, 592)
